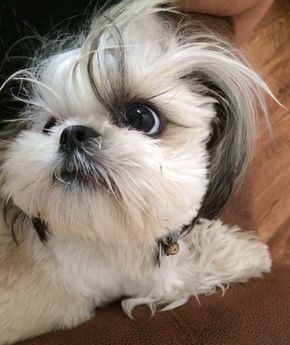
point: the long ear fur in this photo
(230, 149)
(239, 95)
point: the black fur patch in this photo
(41, 229)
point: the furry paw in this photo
(226, 254)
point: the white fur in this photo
(102, 241)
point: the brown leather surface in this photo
(254, 313)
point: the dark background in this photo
(23, 24)
(25, 18)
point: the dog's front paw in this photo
(226, 254)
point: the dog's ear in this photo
(229, 148)
(237, 95)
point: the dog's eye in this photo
(142, 118)
(51, 123)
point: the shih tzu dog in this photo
(132, 139)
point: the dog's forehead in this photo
(134, 30)
(132, 64)
(129, 53)
(117, 61)
(118, 64)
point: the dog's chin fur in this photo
(105, 210)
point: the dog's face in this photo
(121, 141)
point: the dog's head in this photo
(137, 128)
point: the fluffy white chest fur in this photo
(142, 125)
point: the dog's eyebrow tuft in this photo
(106, 66)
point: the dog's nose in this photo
(73, 137)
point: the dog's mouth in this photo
(76, 177)
(81, 170)
(78, 170)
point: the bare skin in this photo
(246, 14)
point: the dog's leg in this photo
(221, 254)
(212, 255)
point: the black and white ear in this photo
(229, 147)
(239, 96)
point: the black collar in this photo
(167, 245)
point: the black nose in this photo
(74, 137)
